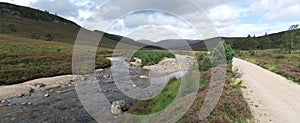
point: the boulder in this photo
(115, 108)
(118, 106)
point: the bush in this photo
(204, 62)
(149, 57)
(7, 28)
(49, 37)
(34, 35)
(265, 53)
(222, 54)
(251, 52)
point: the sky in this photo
(168, 19)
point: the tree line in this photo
(287, 41)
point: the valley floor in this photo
(272, 98)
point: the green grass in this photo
(287, 65)
(231, 107)
(159, 102)
(151, 57)
(25, 59)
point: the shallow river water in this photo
(63, 104)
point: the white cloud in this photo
(277, 9)
(229, 17)
(223, 13)
(20, 2)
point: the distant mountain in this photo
(144, 41)
(175, 43)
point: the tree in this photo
(265, 43)
(289, 39)
(250, 43)
(222, 54)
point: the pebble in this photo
(144, 77)
(61, 92)
(3, 101)
(20, 95)
(29, 103)
(134, 85)
(39, 85)
(46, 95)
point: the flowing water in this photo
(63, 104)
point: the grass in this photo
(151, 57)
(25, 59)
(287, 65)
(231, 107)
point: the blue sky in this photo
(144, 19)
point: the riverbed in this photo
(62, 104)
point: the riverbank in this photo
(55, 98)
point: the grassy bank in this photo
(151, 57)
(231, 107)
(25, 59)
(287, 65)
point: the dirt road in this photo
(272, 98)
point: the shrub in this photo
(49, 37)
(7, 28)
(34, 35)
(265, 53)
(204, 62)
(149, 57)
(252, 53)
(222, 54)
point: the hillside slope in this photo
(25, 22)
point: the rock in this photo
(83, 78)
(105, 91)
(46, 95)
(115, 108)
(29, 103)
(124, 105)
(24, 103)
(31, 90)
(20, 95)
(110, 82)
(61, 92)
(118, 106)
(107, 76)
(12, 119)
(99, 70)
(133, 85)
(3, 101)
(39, 85)
(144, 77)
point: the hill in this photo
(29, 23)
